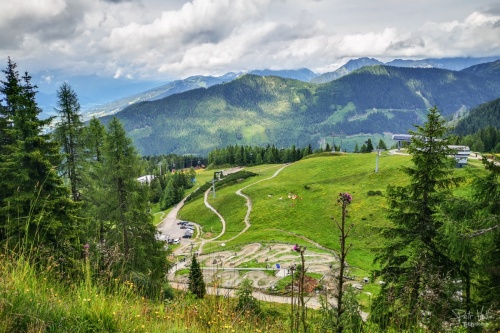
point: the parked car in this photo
(176, 241)
(187, 236)
(189, 232)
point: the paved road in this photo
(312, 302)
(169, 224)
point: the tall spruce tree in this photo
(93, 140)
(36, 206)
(487, 233)
(412, 260)
(91, 192)
(471, 236)
(68, 133)
(126, 208)
(196, 285)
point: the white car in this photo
(176, 241)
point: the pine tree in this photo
(382, 145)
(369, 146)
(36, 206)
(412, 261)
(68, 133)
(126, 209)
(196, 285)
(121, 168)
(487, 233)
(12, 90)
(93, 140)
(92, 193)
(168, 197)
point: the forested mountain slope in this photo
(487, 114)
(257, 110)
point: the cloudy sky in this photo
(173, 39)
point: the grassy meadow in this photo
(313, 185)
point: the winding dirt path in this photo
(247, 215)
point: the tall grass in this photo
(33, 300)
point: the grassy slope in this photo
(316, 181)
(33, 301)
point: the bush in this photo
(373, 193)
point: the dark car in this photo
(187, 236)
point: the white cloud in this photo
(47, 78)
(178, 38)
(30, 9)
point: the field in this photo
(299, 205)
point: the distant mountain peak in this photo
(349, 67)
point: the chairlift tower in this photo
(217, 176)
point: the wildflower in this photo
(345, 198)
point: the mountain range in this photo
(100, 96)
(259, 110)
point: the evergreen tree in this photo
(156, 190)
(412, 260)
(356, 148)
(12, 91)
(471, 235)
(369, 146)
(126, 207)
(68, 133)
(36, 206)
(382, 145)
(238, 156)
(121, 168)
(487, 233)
(93, 140)
(168, 197)
(92, 192)
(196, 285)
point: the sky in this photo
(164, 40)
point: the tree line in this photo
(486, 140)
(72, 194)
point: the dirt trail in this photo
(247, 215)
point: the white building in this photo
(461, 156)
(145, 179)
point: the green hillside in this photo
(254, 110)
(316, 182)
(487, 114)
